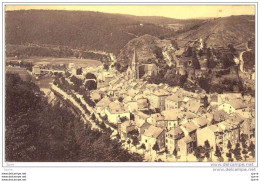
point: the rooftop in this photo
(153, 132)
(117, 107)
(190, 126)
(175, 132)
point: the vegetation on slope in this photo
(91, 30)
(38, 131)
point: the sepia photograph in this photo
(129, 83)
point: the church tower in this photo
(135, 66)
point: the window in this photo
(145, 141)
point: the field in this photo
(57, 61)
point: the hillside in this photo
(78, 29)
(220, 32)
(147, 47)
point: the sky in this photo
(171, 11)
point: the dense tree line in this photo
(38, 131)
(25, 51)
(28, 51)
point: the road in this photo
(85, 116)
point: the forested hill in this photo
(38, 131)
(91, 30)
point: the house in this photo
(248, 125)
(209, 117)
(172, 139)
(219, 116)
(172, 102)
(226, 97)
(232, 106)
(132, 92)
(130, 103)
(173, 118)
(158, 99)
(71, 66)
(141, 126)
(102, 105)
(194, 106)
(190, 130)
(186, 145)
(231, 131)
(139, 115)
(124, 128)
(157, 119)
(36, 70)
(95, 96)
(147, 70)
(188, 116)
(153, 135)
(201, 122)
(142, 104)
(106, 77)
(212, 134)
(115, 111)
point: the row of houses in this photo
(175, 118)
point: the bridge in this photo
(52, 70)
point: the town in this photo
(160, 122)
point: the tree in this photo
(129, 142)
(106, 66)
(243, 138)
(76, 81)
(90, 76)
(207, 149)
(93, 117)
(175, 153)
(244, 151)
(91, 85)
(135, 141)
(251, 148)
(62, 135)
(132, 133)
(182, 80)
(143, 147)
(237, 152)
(118, 136)
(217, 152)
(120, 99)
(199, 153)
(204, 83)
(156, 147)
(229, 156)
(229, 145)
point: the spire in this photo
(135, 57)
